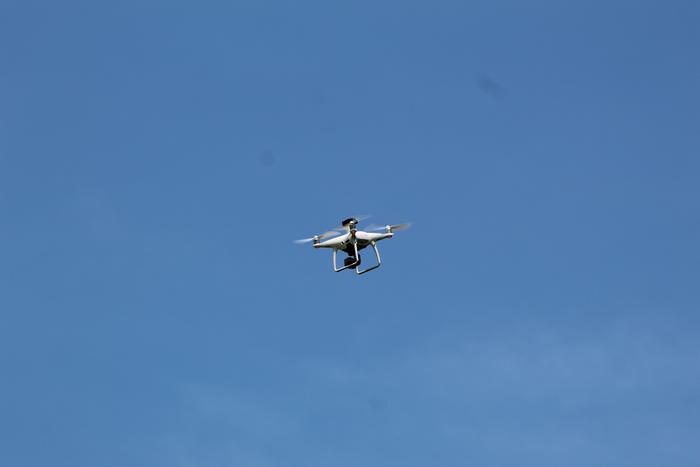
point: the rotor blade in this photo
(403, 226)
(390, 228)
(357, 218)
(330, 233)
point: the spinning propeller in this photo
(351, 221)
(316, 238)
(389, 228)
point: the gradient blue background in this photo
(158, 157)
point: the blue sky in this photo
(157, 158)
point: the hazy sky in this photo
(158, 157)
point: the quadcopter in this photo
(348, 239)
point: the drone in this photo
(348, 239)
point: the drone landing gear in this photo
(353, 262)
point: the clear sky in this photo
(158, 157)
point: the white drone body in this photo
(352, 241)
